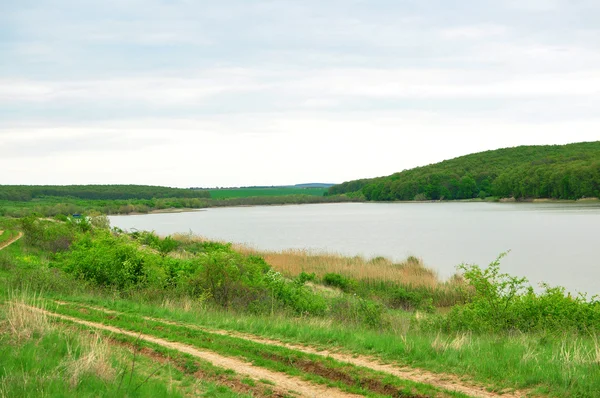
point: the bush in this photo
(48, 235)
(304, 277)
(339, 281)
(359, 311)
(501, 302)
(106, 260)
(410, 300)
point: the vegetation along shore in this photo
(92, 311)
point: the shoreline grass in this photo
(501, 334)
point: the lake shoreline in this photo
(501, 201)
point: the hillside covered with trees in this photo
(552, 171)
(96, 192)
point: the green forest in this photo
(96, 192)
(526, 172)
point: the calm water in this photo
(555, 243)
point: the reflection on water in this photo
(551, 242)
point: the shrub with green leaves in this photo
(107, 260)
(501, 302)
(339, 281)
(48, 235)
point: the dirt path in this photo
(9, 242)
(290, 383)
(446, 381)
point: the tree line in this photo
(25, 193)
(553, 171)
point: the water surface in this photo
(549, 242)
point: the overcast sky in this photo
(241, 92)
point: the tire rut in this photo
(292, 384)
(9, 242)
(448, 382)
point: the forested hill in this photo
(96, 192)
(552, 171)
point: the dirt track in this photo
(446, 381)
(292, 384)
(11, 241)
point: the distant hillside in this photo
(314, 185)
(96, 192)
(551, 171)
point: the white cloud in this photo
(475, 32)
(241, 93)
(267, 149)
(149, 89)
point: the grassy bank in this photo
(482, 328)
(53, 206)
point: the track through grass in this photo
(444, 381)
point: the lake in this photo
(548, 242)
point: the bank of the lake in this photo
(549, 242)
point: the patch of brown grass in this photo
(24, 321)
(292, 262)
(94, 359)
(411, 272)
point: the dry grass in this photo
(576, 352)
(442, 344)
(411, 273)
(24, 321)
(94, 359)
(293, 262)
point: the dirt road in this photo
(446, 381)
(292, 384)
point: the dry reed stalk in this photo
(291, 262)
(24, 321)
(94, 359)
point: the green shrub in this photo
(339, 281)
(52, 236)
(106, 260)
(410, 300)
(501, 302)
(304, 277)
(356, 310)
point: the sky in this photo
(238, 92)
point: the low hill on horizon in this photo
(569, 171)
(97, 192)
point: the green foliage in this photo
(47, 235)
(410, 300)
(96, 192)
(339, 281)
(61, 206)
(358, 311)
(304, 277)
(215, 274)
(107, 260)
(560, 172)
(501, 302)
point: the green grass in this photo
(7, 235)
(322, 370)
(549, 364)
(225, 193)
(561, 362)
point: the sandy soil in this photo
(293, 384)
(446, 381)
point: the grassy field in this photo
(225, 193)
(139, 315)
(53, 206)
